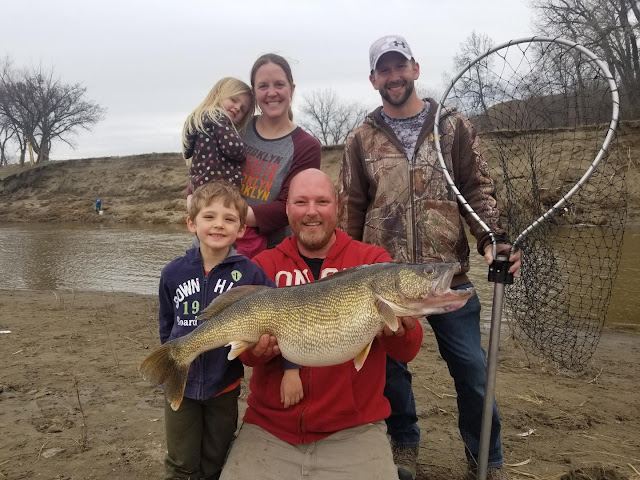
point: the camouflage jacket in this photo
(404, 204)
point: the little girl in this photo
(213, 149)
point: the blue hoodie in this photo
(183, 293)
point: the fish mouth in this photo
(445, 299)
(442, 284)
(457, 298)
(438, 297)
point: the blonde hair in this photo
(211, 109)
(228, 194)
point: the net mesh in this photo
(542, 111)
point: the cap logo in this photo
(388, 43)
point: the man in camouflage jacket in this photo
(394, 194)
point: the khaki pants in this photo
(199, 435)
(361, 452)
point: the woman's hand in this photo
(251, 218)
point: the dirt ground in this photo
(73, 406)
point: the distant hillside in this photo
(134, 189)
(150, 188)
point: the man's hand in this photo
(404, 323)
(504, 248)
(267, 345)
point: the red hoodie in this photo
(336, 397)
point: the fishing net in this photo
(543, 110)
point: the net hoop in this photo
(602, 152)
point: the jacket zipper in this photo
(422, 137)
(204, 302)
(412, 207)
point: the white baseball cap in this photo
(388, 43)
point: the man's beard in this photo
(384, 93)
(318, 239)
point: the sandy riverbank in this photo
(73, 406)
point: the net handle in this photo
(603, 150)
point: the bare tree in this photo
(567, 86)
(610, 28)
(424, 91)
(328, 118)
(475, 87)
(6, 133)
(15, 108)
(43, 109)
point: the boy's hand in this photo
(291, 388)
(267, 345)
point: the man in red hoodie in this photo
(337, 430)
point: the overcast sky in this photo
(149, 63)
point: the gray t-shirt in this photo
(408, 129)
(267, 172)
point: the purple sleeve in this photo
(307, 153)
(187, 151)
(287, 365)
(229, 141)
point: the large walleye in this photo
(316, 324)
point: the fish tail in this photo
(161, 367)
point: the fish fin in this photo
(229, 297)
(237, 347)
(362, 356)
(387, 313)
(161, 367)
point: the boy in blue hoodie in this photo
(200, 431)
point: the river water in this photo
(126, 258)
(49, 256)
